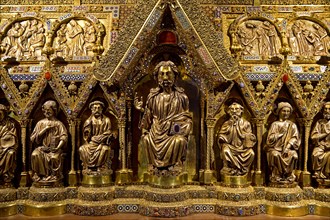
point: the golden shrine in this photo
(165, 108)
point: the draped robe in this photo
(45, 162)
(321, 152)
(280, 134)
(236, 141)
(168, 122)
(8, 148)
(97, 133)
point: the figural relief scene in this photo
(164, 109)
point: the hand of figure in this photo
(55, 149)
(45, 149)
(137, 103)
(286, 150)
(49, 126)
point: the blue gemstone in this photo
(240, 211)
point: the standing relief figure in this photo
(308, 39)
(8, 146)
(75, 34)
(283, 141)
(236, 142)
(324, 37)
(97, 134)
(258, 39)
(89, 37)
(166, 121)
(37, 41)
(50, 136)
(13, 42)
(321, 140)
(61, 42)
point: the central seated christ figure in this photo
(166, 121)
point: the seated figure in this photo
(236, 142)
(8, 146)
(95, 152)
(321, 139)
(166, 121)
(51, 136)
(283, 141)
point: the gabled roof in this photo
(141, 27)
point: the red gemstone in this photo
(285, 78)
(48, 75)
(167, 37)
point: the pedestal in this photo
(236, 197)
(46, 201)
(322, 202)
(94, 201)
(8, 202)
(235, 181)
(96, 179)
(285, 200)
(167, 181)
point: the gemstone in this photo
(48, 75)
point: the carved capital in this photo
(210, 122)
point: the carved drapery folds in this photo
(24, 39)
(308, 38)
(32, 38)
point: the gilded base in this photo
(8, 209)
(278, 209)
(236, 194)
(48, 184)
(166, 181)
(322, 210)
(44, 209)
(283, 185)
(96, 180)
(235, 181)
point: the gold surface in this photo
(167, 181)
(45, 209)
(96, 180)
(305, 178)
(8, 209)
(322, 210)
(287, 210)
(124, 176)
(235, 180)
